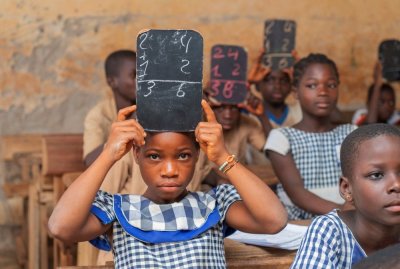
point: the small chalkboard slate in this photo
(279, 42)
(228, 74)
(389, 56)
(169, 79)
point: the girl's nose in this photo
(322, 90)
(169, 169)
(394, 184)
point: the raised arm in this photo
(288, 174)
(373, 104)
(71, 220)
(260, 211)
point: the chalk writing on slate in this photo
(169, 79)
(389, 56)
(228, 74)
(279, 42)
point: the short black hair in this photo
(114, 60)
(386, 87)
(351, 144)
(313, 58)
(190, 135)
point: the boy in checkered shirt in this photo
(167, 226)
(370, 162)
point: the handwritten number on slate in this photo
(180, 92)
(150, 85)
(236, 69)
(227, 91)
(233, 54)
(215, 71)
(218, 53)
(215, 87)
(186, 63)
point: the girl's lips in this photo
(394, 206)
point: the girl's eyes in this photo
(153, 157)
(375, 175)
(332, 86)
(184, 156)
(311, 86)
(314, 86)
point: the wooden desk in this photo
(239, 255)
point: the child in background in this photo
(381, 103)
(370, 161)
(167, 226)
(274, 86)
(305, 157)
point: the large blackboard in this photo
(389, 56)
(279, 42)
(169, 79)
(228, 74)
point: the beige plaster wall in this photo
(52, 52)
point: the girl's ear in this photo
(136, 151)
(111, 81)
(345, 189)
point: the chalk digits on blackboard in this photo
(187, 43)
(285, 44)
(268, 29)
(187, 62)
(267, 60)
(215, 87)
(288, 26)
(218, 53)
(236, 69)
(149, 87)
(145, 68)
(144, 36)
(215, 71)
(180, 92)
(283, 63)
(233, 54)
(227, 91)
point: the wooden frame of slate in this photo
(169, 80)
(279, 42)
(389, 56)
(228, 74)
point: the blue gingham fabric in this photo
(192, 244)
(328, 244)
(317, 159)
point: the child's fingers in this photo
(124, 112)
(210, 116)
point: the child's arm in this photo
(260, 211)
(372, 116)
(71, 220)
(286, 170)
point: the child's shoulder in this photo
(329, 225)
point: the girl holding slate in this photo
(305, 156)
(167, 226)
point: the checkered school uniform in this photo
(328, 244)
(185, 234)
(317, 158)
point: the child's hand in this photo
(210, 136)
(258, 71)
(253, 104)
(124, 134)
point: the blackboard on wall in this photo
(228, 74)
(169, 79)
(389, 56)
(279, 42)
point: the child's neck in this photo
(315, 125)
(275, 109)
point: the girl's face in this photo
(167, 163)
(387, 105)
(227, 115)
(375, 182)
(318, 90)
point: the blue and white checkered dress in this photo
(317, 159)
(186, 234)
(328, 244)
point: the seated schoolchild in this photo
(167, 226)
(370, 162)
(381, 103)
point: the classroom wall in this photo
(52, 52)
